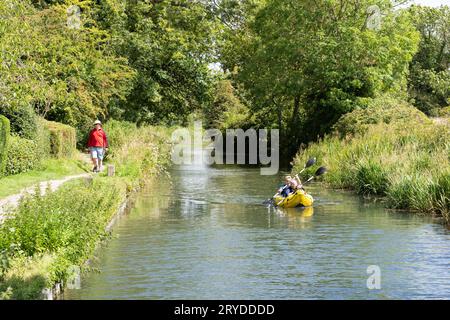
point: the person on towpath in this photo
(98, 145)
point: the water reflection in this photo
(208, 236)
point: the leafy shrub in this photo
(4, 139)
(381, 110)
(137, 152)
(440, 192)
(23, 155)
(226, 111)
(119, 132)
(43, 139)
(63, 139)
(23, 120)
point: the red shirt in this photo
(97, 138)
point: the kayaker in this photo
(289, 187)
(98, 145)
(299, 185)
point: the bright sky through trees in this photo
(432, 3)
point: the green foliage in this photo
(440, 193)
(43, 139)
(23, 155)
(381, 110)
(306, 63)
(143, 61)
(406, 161)
(371, 178)
(227, 111)
(137, 153)
(119, 132)
(50, 234)
(65, 225)
(4, 142)
(50, 139)
(62, 139)
(23, 120)
(169, 44)
(67, 75)
(429, 79)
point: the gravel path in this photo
(12, 201)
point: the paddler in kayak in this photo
(290, 186)
(293, 194)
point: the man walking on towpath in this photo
(98, 145)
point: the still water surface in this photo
(207, 236)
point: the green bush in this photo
(381, 110)
(63, 139)
(4, 139)
(226, 111)
(23, 155)
(43, 139)
(137, 152)
(23, 121)
(118, 132)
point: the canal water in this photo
(206, 235)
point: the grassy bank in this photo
(389, 153)
(33, 149)
(50, 234)
(50, 169)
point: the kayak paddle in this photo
(318, 172)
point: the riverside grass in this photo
(406, 163)
(48, 235)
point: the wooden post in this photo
(89, 180)
(111, 170)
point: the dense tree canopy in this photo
(296, 65)
(68, 75)
(145, 61)
(321, 59)
(429, 81)
(170, 44)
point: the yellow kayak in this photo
(296, 199)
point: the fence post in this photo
(111, 170)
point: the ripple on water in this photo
(209, 237)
